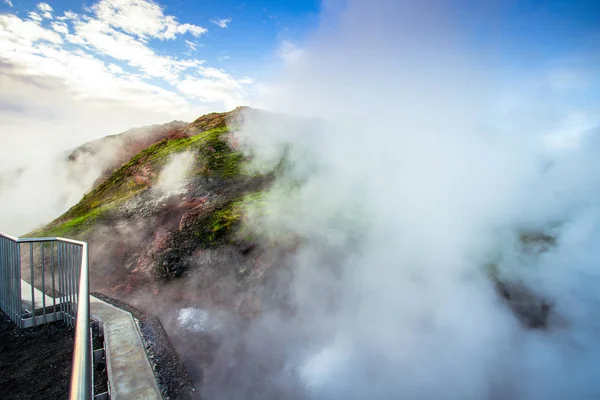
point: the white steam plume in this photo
(41, 122)
(424, 174)
(176, 171)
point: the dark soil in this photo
(172, 378)
(35, 363)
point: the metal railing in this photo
(55, 276)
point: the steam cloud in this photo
(175, 172)
(41, 122)
(429, 167)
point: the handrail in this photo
(81, 372)
(81, 387)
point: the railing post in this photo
(18, 302)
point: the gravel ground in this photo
(173, 379)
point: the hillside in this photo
(171, 223)
(167, 232)
(114, 150)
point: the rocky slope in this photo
(114, 150)
(146, 232)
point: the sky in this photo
(143, 61)
(89, 69)
(73, 71)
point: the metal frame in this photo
(69, 273)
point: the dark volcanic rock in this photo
(532, 310)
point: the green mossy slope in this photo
(214, 156)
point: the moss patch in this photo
(218, 227)
(75, 226)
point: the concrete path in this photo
(130, 375)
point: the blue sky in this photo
(181, 58)
(247, 46)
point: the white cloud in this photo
(142, 18)
(60, 27)
(115, 69)
(44, 7)
(73, 49)
(10, 4)
(192, 46)
(223, 58)
(96, 35)
(215, 85)
(46, 10)
(221, 23)
(289, 52)
(68, 15)
(17, 34)
(35, 16)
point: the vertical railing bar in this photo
(74, 273)
(32, 278)
(70, 282)
(18, 297)
(7, 282)
(75, 278)
(66, 288)
(60, 283)
(10, 298)
(66, 280)
(11, 278)
(64, 277)
(3, 280)
(53, 287)
(68, 246)
(13, 266)
(42, 245)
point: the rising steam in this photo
(426, 173)
(176, 171)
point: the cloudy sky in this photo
(72, 71)
(87, 69)
(101, 66)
